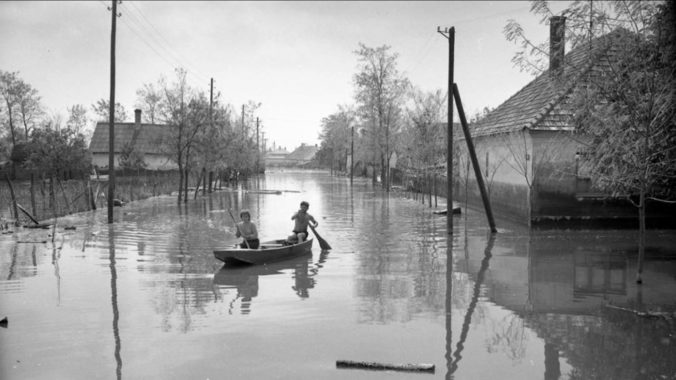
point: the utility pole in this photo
(111, 117)
(242, 117)
(211, 127)
(352, 156)
(450, 35)
(258, 151)
(211, 103)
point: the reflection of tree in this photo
(613, 344)
(509, 336)
(397, 282)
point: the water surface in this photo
(145, 298)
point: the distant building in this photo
(302, 155)
(147, 139)
(276, 157)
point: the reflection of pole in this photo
(448, 305)
(475, 162)
(449, 133)
(113, 301)
(472, 304)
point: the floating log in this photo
(4, 322)
(40, 225)
(456, 210)
(408, 367)
(276, 192)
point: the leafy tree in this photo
(9, 88)
(78, 121)
(336, 137)
(149, 100)
(30, 109)
(102, 110)
(626, 109)
(130, 158)
(424, 130)
(185, 112)
(53, 149)
(380, 89)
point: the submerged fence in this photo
(62, 197)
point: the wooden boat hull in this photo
(269, 251)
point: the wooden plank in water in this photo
(408, 367)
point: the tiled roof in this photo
(303, 153)
(147, 138)
(541, 104)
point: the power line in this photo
(137, 29)
(161, 41)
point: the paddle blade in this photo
(322, 243)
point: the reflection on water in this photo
(244, 279)
(113, 301)
(514, 305)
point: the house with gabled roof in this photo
(530, 153)
(146, 139)
(302, 155)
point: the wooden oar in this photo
(237, 227)
(322, 243)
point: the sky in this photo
(296, 58)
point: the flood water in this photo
(144, 298)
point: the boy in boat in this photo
(247, 231)
(302, 219)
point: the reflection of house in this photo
(146, 139)
(527, 150)
(578, 293)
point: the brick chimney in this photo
(557, 43)
(137, 117)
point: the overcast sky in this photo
(296, 58)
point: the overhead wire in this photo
(145, 34)
(162, 41)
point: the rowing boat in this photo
(269, 251)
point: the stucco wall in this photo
(153, 162)
(507, 171)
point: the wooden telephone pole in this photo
(450, 35)
(111, 118)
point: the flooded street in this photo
(145, 298)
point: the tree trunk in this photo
(52, 202)
(204, 181)
(641, 237)
(180, 181)
(185, 184)
(211, 181)
(34, 207)
(14, 207)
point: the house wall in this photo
(153, 162)
(506, 172)
(559, 194)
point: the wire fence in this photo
(47, 198)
